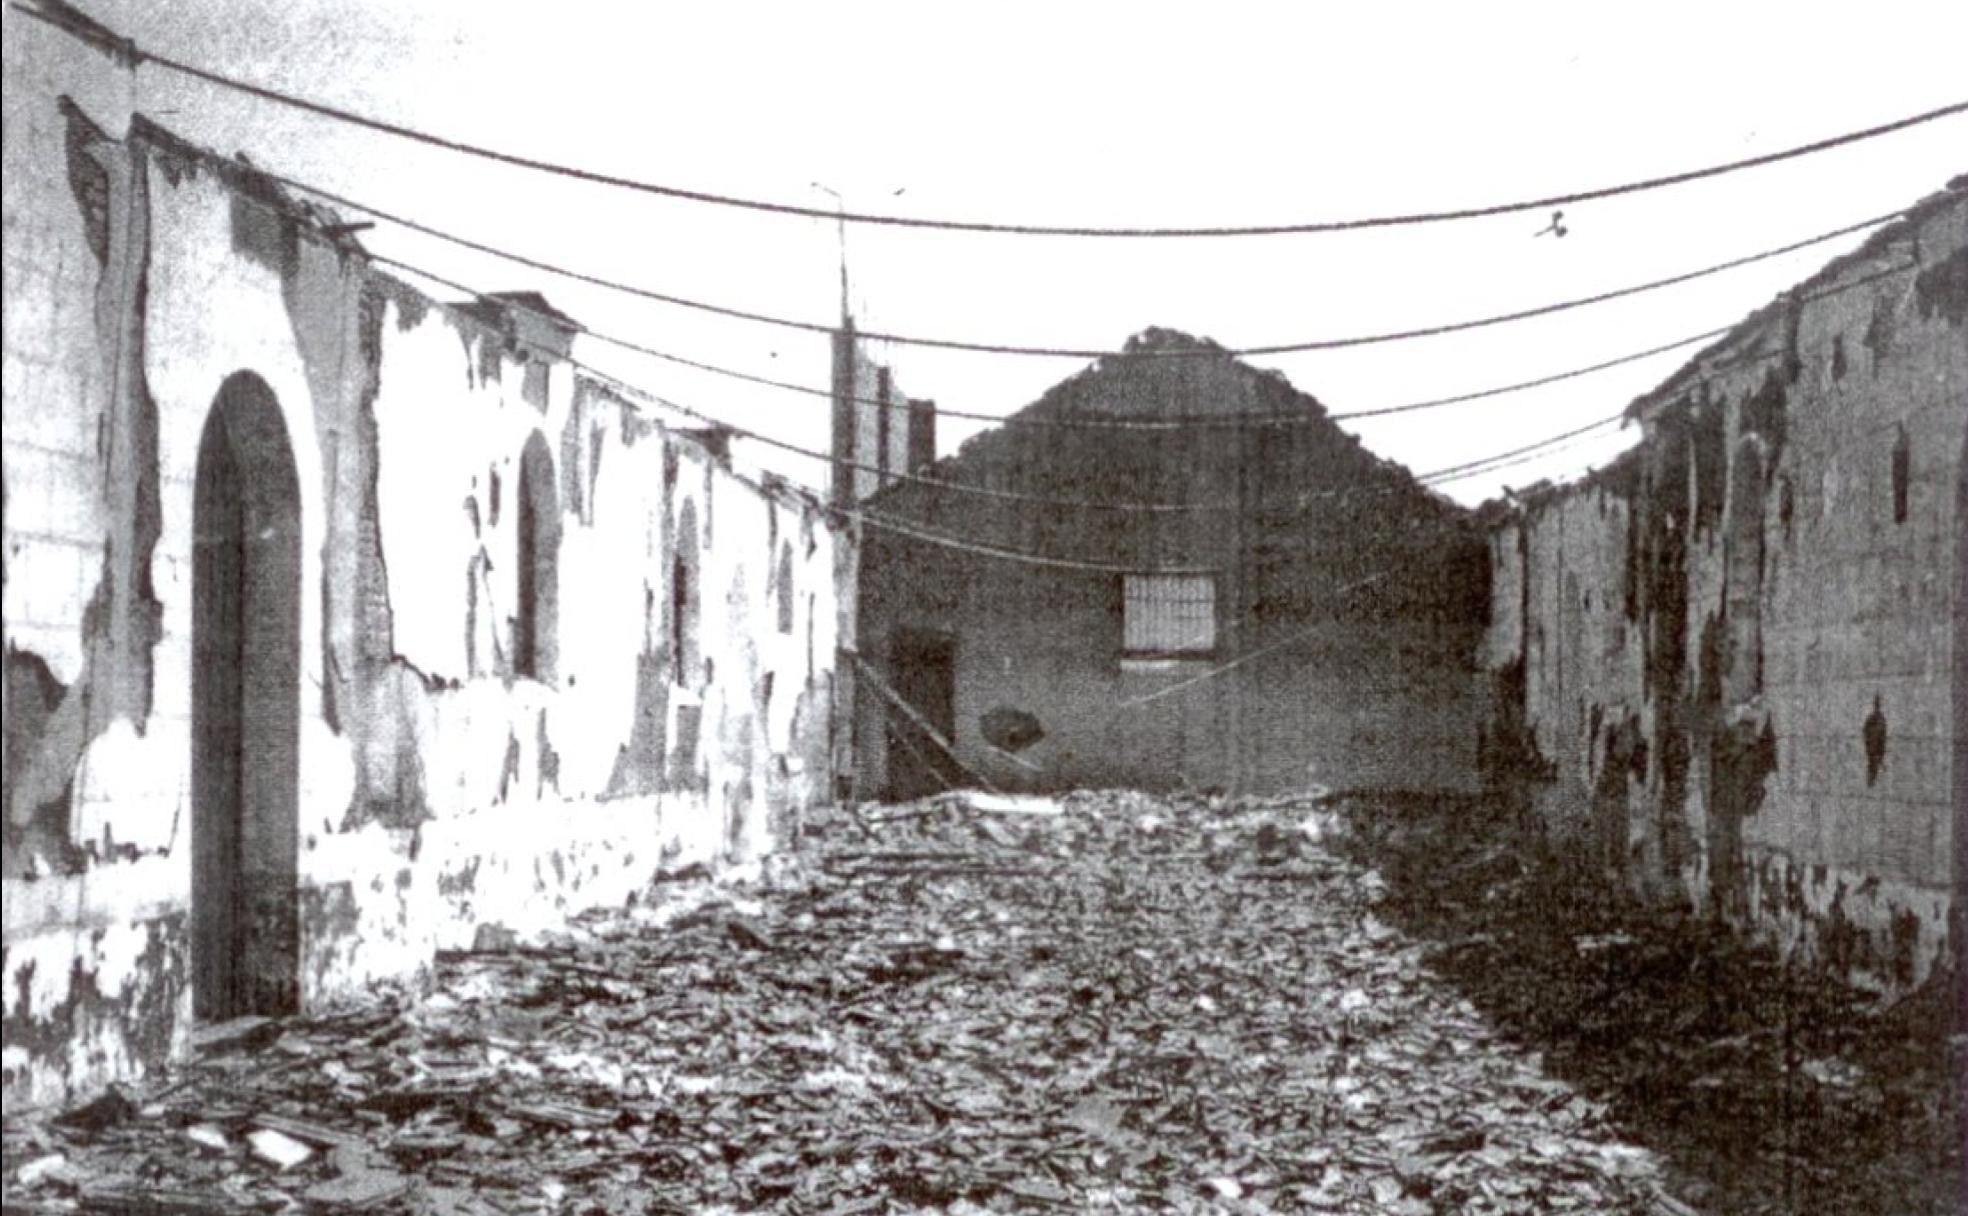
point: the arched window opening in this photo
(783, 580)
(535, 637)
(245, 709)
(685, 594)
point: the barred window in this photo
(1168, 614)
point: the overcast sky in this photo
(1107, 114)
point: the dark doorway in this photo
(923, 666)
(245, 709)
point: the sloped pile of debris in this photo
(1111, 1002)
(1767, 1086)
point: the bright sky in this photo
(1107, 114)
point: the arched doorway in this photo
(245, 708)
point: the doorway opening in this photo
(924, 667)
(245, 708)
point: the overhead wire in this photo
(66, 17)
(1433, 477)
(1164, 423)
(1069, 352)
(910, 528)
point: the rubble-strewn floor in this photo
(1134, 1004)
(1767, 1088)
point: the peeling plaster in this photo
(437, 792)
(1735, 740)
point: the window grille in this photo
(1168, 614)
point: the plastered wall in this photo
(446, 773)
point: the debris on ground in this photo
(1766, 1085)
(1103, 1002)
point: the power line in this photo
(929, 536)
(1437, 476)
(1457, 472)
(1179, 422)
(1064, 352)
(1248, 657)
(67, 18)
(1159, 424)
(1434, 477)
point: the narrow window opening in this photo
(684, 595)
(784, 580)
(1902, 471)
(1743, 575)
(538, 565)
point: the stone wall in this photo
(504, 647)
(1726, 664)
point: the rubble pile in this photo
(1110, 1002)
(1768, 1084)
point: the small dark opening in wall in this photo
(1902, 470)
(1873, 734)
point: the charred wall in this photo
(1733, 652)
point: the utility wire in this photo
(915, 531)
(1434, 477)
(67, 18)
(1157, 424)
(1065, 352)
(1429, 479)
(1248, 657)
(1177, 422)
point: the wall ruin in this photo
(474, 742)
(1728, 660)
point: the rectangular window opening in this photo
(1168, 615)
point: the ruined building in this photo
(341, 623)
(1731, 665)
(1078, 642)
(879, 432)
